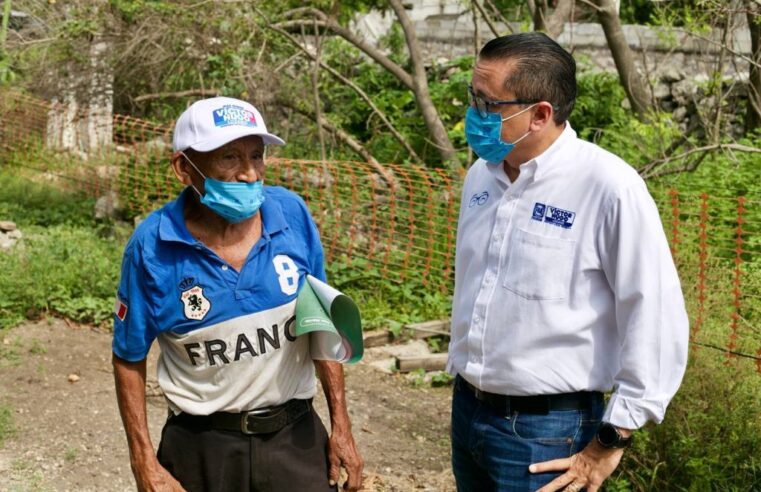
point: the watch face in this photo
(607, 435)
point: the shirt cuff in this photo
(632, 413)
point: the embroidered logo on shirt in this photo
(478, 199)
(553, 215)
(196, 304)
(187, 283)
(120, 309)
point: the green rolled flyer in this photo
(332, 321)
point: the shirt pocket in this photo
(539, 267)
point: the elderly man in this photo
(564, 288)
(214, 276)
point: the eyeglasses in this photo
(482, 105)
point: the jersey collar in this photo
(172, 221)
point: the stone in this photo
(14, 234)
(7, 225)
(671, 74)
(6, 242)
(107, 206)
(684, 90)
(680, 113)
(73, 378)
(661, 91)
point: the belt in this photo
(258, 421)
(539, 405)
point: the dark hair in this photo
(544, 71)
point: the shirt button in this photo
(224, 267)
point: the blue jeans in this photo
(492, 452)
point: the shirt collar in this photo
(547, 159)
(540, 163)
(172, 222)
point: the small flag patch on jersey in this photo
(120, 309)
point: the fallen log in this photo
(438, 327)
(377, 338)
(433, 362)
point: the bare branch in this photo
(179, 94)
(348, 140)
(361, 93)
(491, 25)
(498, 13)
(352, 38)
(431, 116)
(692, 166)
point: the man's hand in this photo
(587, 469)
(155, 478)
(342, 451)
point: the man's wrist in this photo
(612, 437)
(625, 432)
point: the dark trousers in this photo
(292, 459)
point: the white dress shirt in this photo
(564, 282)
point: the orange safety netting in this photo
(399, 220)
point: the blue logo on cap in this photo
(233, 115)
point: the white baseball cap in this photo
(209, 124)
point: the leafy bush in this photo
(66, 263)
(709, 440)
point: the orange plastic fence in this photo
(399, 222)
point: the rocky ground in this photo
(57, 385)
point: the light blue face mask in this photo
(233, 202)
(484, 135)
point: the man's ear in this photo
(181, 168)
(542, 116)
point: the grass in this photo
(66, 264)
(6, 423)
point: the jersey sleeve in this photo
(134, 326)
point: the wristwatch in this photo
(609, 437)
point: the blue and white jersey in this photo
(226, 337)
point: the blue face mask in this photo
(484, 135)
(233, 202)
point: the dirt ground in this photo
(68, 436)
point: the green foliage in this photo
(66, 263)
(386, 303)
(598, 105)
(709, 440)
(6, 423)
(30, 203)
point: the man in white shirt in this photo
(564, 288)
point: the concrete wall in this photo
(446, 30)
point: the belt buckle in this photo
(244, 421)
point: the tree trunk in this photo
(561, 15)
(539, 13)
(632, 81)
(753, 117)
(436, 129)
(81, 118)
(553, 24)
